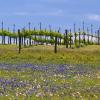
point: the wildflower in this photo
(38, 86)
(38, 94)
(95, 96)
(51, 94)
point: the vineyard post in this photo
(91, 33)
(22, 40)
(84, 38)
(58, 38)
(75, 39)
(8, 36)
(75, 34)
(79, 38)
(19, 34)
(50, 33)
(95, 37)
(88, 35)
(10, 39)
(24, 36)
(40, 31)
(98, 37)
(34, 35)
(2, 34)
(66, 38)
(70, 39)
(55, 47)
(14, 33)
(83, 33)
(30, 34)
(27, 42)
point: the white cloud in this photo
(95, 17)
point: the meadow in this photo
(37, 73)
(43, 54)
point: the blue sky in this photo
(57, 13)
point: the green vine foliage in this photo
(46, 36)
(33, 34)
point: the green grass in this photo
(71, 85)
(79, 86)
(45, 55)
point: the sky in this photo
(54, 13)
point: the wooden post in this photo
(83, 33)
(98, 37)
(29, 33)
(66, 38)
(27, 43)
(2, 34)
(84, 38)
(79, 38)
(70, 39)
(75, 34)
(88, 35)
(58, 38)
(24, 36)
(91, 33)
(55, 48)
(10, 39)
(8, 35)
(14, 33)
(75, 38)
(19, 40)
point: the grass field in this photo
(40, 74)
(46, 55)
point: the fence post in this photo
(2, 34)
(92, 34)
(98, 37)
(70, 39)
(8, 36)
(84, 38)
(66, 38)
(19, 40)
(55, 48)
(14, 33)
(75, 34)
(58, 38)
(79, 38)
(88, 35)
(83, 32)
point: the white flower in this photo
(38, 94)
(38, 86)
(51, 94)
